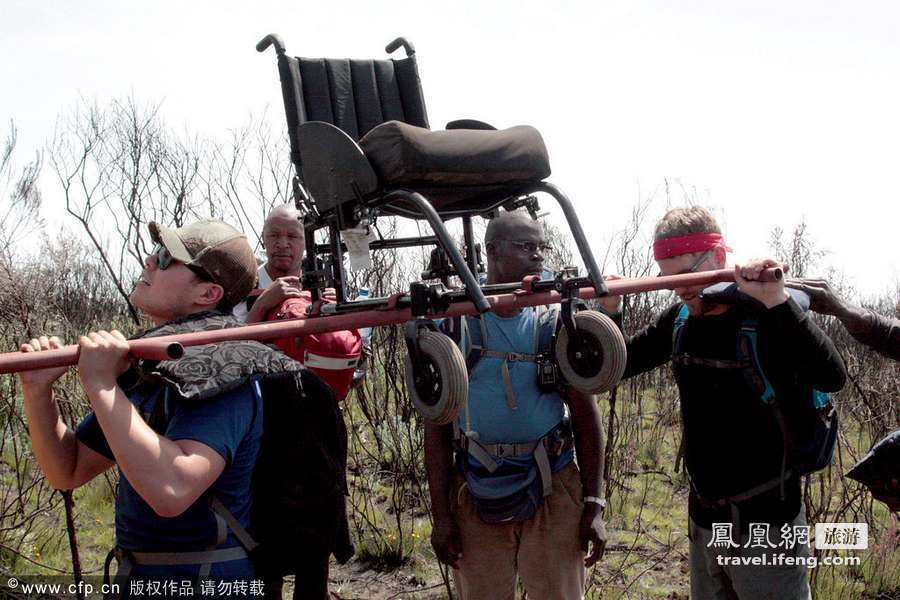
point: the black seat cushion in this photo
(403, 155)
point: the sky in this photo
(771, 112)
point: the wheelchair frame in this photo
(337, 188)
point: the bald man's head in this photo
(510, 226)
(514, 243)
(284, 241)
(284, 211)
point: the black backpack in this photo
(300, 484)
(299, 480)
(809, 434)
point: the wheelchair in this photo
(361, 147)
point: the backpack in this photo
(877, 470)
(333, 356)
(298, 516)
(300, 482)
(809, 436)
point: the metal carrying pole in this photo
(172, 346)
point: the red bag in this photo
(333, 356)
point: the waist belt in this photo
(126, 560)
(510, 450)
(688, 360)
(731, 503)
(557, 441)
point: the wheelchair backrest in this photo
(353, 95)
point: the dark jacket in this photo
(732, 438)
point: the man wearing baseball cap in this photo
(182, 435)
(214, 251)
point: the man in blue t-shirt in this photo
(174, 458)
(518, 505)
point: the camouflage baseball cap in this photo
(218, 248)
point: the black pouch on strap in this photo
(519, 506)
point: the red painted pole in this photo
(12, 362)
(171, 346)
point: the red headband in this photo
(686, 244)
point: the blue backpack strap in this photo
(677, 331)
(476, 330)
(821, 399)
(459, 329)
(677, 351)
(548, 323)
(748, 351)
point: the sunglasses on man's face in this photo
(163, 257)
(164, 260)
(696, 265)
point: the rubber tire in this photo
(611, 341)
(441, 352)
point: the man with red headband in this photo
(742, 498)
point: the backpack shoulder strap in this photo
(677, 350)
(243, 536)
(452, 328)
(678, 331)
(680, 357)
(162, 411)
(748, 354)
(547, 324)
(468, 335)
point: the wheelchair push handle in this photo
(400, 41)
(272, 38)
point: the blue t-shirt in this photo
(231, 424)
(488, 412)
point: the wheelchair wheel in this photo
(439, 384)
(594, 359)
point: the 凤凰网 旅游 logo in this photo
(842, 536)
